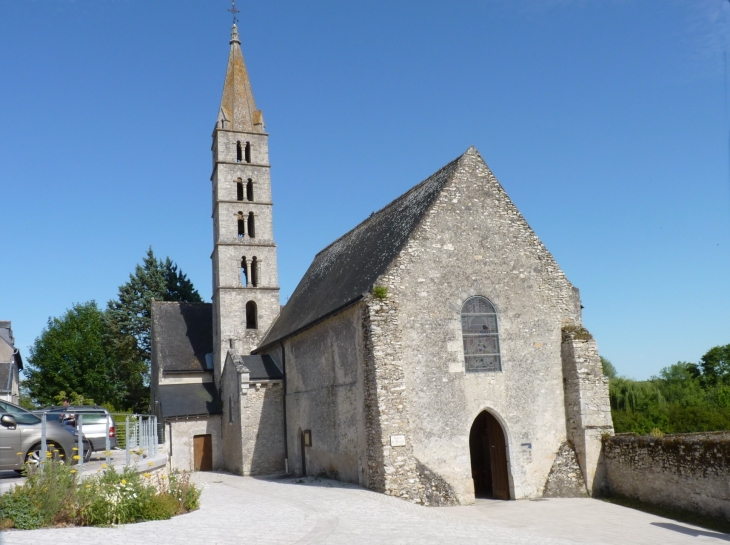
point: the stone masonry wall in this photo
(472, 242)
(391, 466)
(587, 406)
(263, 429)
(180, 437)
(683, 471)
(253, 422)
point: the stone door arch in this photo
(488, 450)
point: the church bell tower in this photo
(245, 280)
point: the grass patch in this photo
(689, 517)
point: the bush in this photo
(53, 495)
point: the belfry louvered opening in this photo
(480, 332)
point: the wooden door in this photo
(203, 452)
(498, 459)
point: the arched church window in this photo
(254, 271)
(251, 317)
(244, 272)
(241, 225)
(239, 190)
(481, 336)
(248, 152)
(249, 190)
(251, 226)
(239, 152)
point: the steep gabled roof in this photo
(346, 269)
(182, 335)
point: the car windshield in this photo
(21, 415)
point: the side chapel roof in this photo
(346, 269)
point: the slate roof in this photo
(182, 335)
(189, 400)
(346, 269)
(258, 367)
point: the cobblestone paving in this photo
(237, 510)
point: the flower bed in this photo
(54, 495)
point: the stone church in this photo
(434, 364)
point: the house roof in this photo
(346, 269)
(6, 335)
(6, 332)
(189, 400)
(182, 335)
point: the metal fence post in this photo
(108, 441)
(44, 443)
(155, 438)
(126, 431)
(80, 432)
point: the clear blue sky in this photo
(606, 122)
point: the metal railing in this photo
(136, 434)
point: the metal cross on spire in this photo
(234, 11)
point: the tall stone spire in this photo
(245, 278)
(238, 108)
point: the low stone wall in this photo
(683, 471)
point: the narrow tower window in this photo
(239, 190)
(244, 272)
(251, 317)
(249, 190)
(251, 226)
(254, 272)
(239, 152)
(480, 334)
(241, 225)
(248, 152)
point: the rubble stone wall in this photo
(587, 405)
(683, 471)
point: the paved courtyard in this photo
(240, 510)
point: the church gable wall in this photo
(324, 389)
(473, 241)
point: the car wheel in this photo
(87, 451)
(34, 454)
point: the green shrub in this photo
(381, 292)
(52, 495)
(185, 492)
(17, 510)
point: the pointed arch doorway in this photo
(488, 458)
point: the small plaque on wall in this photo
(397, 440)
(307, 438)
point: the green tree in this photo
(71, 356)
(715, 366)
(608, 369)
(130, 313)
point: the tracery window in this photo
(481, 336)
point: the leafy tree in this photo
(154, 279)
(685, 397)
(608, 369)
(70, 355)
(104, 355)
(715, 366)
